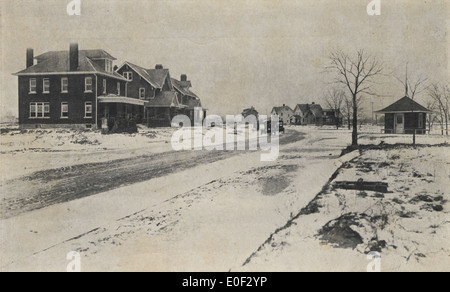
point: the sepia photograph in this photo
(242, 136)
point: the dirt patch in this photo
(340, 232)
(274, 185)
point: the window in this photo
(64, 85)
(33, 85)
(39, 110)
(108, 66)
(64, 110)
(128, 75)
(399, 119)
(46, 85)
(88, 109)
(421, 121)
(142, 93)
(118, 88)
(104, 86)
(88, 84)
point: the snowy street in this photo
(219, 211)
(233, 202)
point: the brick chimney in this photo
(30, 58)
(73, 57)
(183, 77)
(159, 67)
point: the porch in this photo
(119, 114)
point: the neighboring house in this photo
(188, 99)
(154, 88)
(404, 117)
(250, 111)
(284, 112)
(300, 112)
(332, 117)
(68, 89)
(309, 114)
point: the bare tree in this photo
(347, 111)
(441, 95)
(334, 100)
(414, 86)
(357, 74)
(431, 116)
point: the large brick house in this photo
(69, 89)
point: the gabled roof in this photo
(181, 87)
(164, 99)
(405, 104)
(155, 77)
(278, 109)
(304, 108)
(58, 63)
(316, 110)
(158, 76)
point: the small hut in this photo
(405, 116)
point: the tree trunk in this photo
(446, 123)
(355, 122)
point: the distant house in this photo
(332, 117)
(284, 112)
(309, 114)
(404, 117)
(250, 111)
(70, 89)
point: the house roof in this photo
(93, 54)
(316, 109)
(193, 103)
(182, 87)
(277, 109)
(164, 99)
(155, 77)
(58, 63)
(158, 76)
(405, 104)
(304, 108)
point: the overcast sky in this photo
(237, 53)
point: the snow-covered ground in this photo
(409, 226)
(218, 216)
(25, 152)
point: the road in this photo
(209, 217)
(45, 188)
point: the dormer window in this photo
(108, 65)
